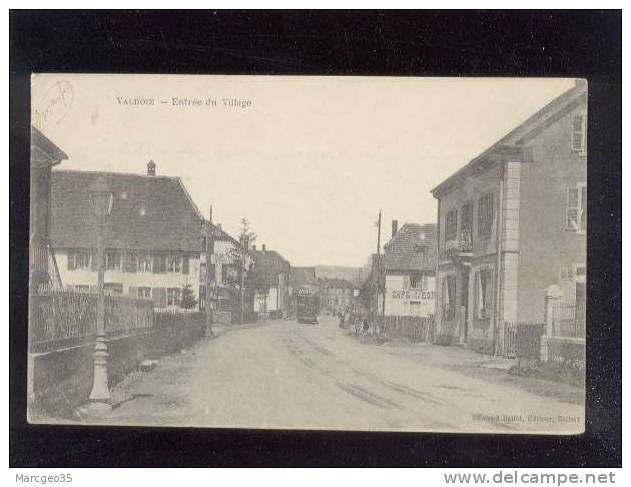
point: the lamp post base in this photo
(100, 399)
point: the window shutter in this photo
(185, 265)
(70, 261)
(572, 209)
(133, 292)
(489, 209)
(578, 132)
(583, 208)
(93, 262)
(156, 264)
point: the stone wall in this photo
(61, 380)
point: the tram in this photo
(307, 306)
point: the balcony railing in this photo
(461, 244)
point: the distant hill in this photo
(339, 272)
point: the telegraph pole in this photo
(375, 277)
(210, 250)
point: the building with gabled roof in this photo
(271, 274)
(152, 238)
(43, 273)
(336, 294)
(409, 268)
(511, 225)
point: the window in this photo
(130, 263)
(449, 298)
(112, 261)
(229, 274)
(173, 296)
(576, 210)
(466, 217)
(579, 272)
(78, 259)
(113, 287)
(144, 292)
(174, 263)
(421, 249)
(579, 132)
(484, 294)
(451, 225)
(159, 264)
(144, 263)
(159, 295)
(82, 288)
(485, 215)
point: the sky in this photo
(309, 161)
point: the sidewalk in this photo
(474, 364)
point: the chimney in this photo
(263, 247)
(395, 227)
(253, 247)
(151, 168)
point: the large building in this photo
(512, 224)
(336, 294)
(227, 261)
(409, 264)
(152, 239)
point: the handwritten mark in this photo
(54, 105)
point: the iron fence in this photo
(568, 319)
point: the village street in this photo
(282, 374)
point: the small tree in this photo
(238, 255)
(188, 297)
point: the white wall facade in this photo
(263, 304)
(138, 279)
(403, 300)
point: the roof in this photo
(512, 144)
(412, 248)
(42, 143)
(336, 283)
(268, 264)
(301, 276)
(153, 213)
(219, 234)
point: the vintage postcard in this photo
(313, 253)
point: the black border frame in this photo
(586, 44)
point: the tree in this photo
(188, 297)
(238, 254)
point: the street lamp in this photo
(101, 199)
